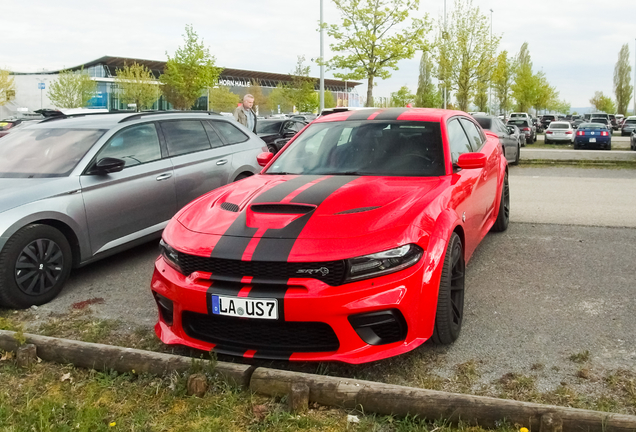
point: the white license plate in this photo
(592, 139)
(245, 307)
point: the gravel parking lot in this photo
(558, 282)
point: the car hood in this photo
(293, 207)
(15, 192)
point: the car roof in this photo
(403, 114)
(110, 120)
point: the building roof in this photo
(228, 76)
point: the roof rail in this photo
(65, 116)
(137, 116)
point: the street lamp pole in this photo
(444, 38)
(490, 78)
(322, 59)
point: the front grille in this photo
(272, 336)
(330, 272)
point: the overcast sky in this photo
(574, 42)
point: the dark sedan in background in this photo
(276, 132)
(593, 136)
(629, 125)
(524, 126)
(507, 136)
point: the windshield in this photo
(381, 148)
(44, 152)
(518, 122)
(592, 126)
(630, 121)
(268, 127)
(484, 122)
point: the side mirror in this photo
(471, 160)
(264, 158)
(107, 166)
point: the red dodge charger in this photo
(350, 245)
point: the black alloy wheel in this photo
(34, 266)
(450, 298)
(503, 216)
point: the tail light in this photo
(526, 129)
(568, 132)
(548, 132)
(580, 133)
(604, 133)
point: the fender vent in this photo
(282, 208)
(357, 210)
(230, 207)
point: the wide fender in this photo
(447, 222)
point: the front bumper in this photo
(311, 312)
(602, 143)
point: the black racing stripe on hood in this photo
(277, 244)
(272, 355)
(221, 288)
(235, 240)
(391, 114)
(271, 291)
(362, 114)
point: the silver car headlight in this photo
(383, 263)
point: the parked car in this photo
(10, 125)
(526, 127)
(276, 133)
(351, 245)
(629, 125)
(632, 140)
(577, 122)
(593, 136)
(559, 132)
(74, 190)
(602, 120)
(510, 140)
(546, 119)
(613, 122)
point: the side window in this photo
(229, 132)
(184, 136)
(457, 140)
(135, 145)
(215, 140)
(297, 126)
(476, 140)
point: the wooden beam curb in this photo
(390, 399)
(106, 357)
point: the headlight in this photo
(382, 263)
(171, 255)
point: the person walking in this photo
(244, 114)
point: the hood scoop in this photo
(357, 210)
(295, 209)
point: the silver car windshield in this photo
(32, 153)
(380, 148)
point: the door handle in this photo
(164, 176)
(221, 162)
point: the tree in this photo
(465, 51)
(189, 72)
(427, 96)
(622, 78)
(7, 87)
(137, 84)
(255, 89)
(223, 100)
(545, 96)
(277, 100)
(602, 103)
(524, 85)
(402, 97)
(369, 41)
(501, 81)
(301, 89)
(330, 101)
(72, 89)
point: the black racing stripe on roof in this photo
(362, 114)
(276, 244)
(391, 113)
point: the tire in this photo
(503, 215)
(450, 297)
(242, 176)
(34, 265)
(272, 148)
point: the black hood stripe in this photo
(277, 244)
(362, 114)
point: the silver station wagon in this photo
(74, 190)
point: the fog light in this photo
(380, 328)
